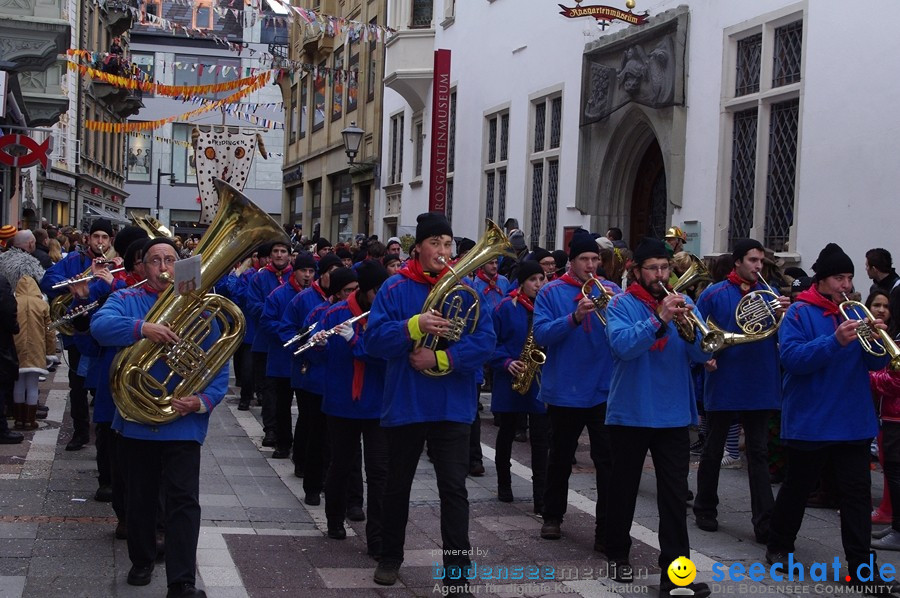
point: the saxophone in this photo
(533, 358)
(238, 227)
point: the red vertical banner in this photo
(440, 132)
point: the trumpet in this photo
(83, 277)
(300, 335)
(330, 332)
(690, 324)
(874, 341)
(600, 301)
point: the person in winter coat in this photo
(9, 361)
(35, 346)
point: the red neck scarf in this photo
(295, 285)
(413, 271)
(642, 295)
(315, 285)
(522, 299)
(744, 285)
(359, 367)
(279, 274)
(491, 282)
(569, 279)
(814, 297)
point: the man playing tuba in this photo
(167, 453)
(418, 407)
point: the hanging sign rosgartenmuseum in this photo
(604, 13)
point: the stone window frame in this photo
(763, 100)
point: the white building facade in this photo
(728, 119)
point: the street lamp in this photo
(352, 138)
(159, 175)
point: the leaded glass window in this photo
(783, 127)
(537, 197)
(501, 196)
(540, 116)
(555, 121)
(489, 195)
(743, 175)
(787, 55)
(749, 60)
(552, 196)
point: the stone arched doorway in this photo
(649, 204)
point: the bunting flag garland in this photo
(169, 90)
(107, 127)
(179, 142)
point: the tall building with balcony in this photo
(34, 40)
(160, 164)
(342, 85)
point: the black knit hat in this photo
(463, 245)
(151, 242)
(832, 260)
(304, 260)
(329, 261)
(131, 253)
(344, 254)
(539, 253)
(322, 243)
(264, 250)
(742, 247)
(284, 244)
(389, 259)
(648, 249)
(340, 278)
(801, 284)
(432, 224)
(126, 237)
(371, 275)
(582, 243)
(561, 258)
(102, 224)
(527, 269)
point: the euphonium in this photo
(874, 341)
(600, 301)
(696, 273)
(446, 297)
(238, 227)
(758, 314)
(533, 358)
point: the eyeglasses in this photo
(548, 262)
(655, 268)
(348, 290)
(157, 262)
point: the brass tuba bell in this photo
(238, 227)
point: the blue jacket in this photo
(239, 296)
(579, 364)
(651, 380)
(510, 321)
(74, 264)
(278, 364)
(826, 386)
(341, 361)
(410, 396)
(492, 298)
(316, 371)
(292, 322)
(730, 388)
(264, 282)
(118, 324)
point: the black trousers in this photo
(266, 390)
(78, 397)
(344, 435)
(6, 393)
(540, 445)
(243, 367)
(756, 433)
(670, 449)
(284, 396)
(566, 424)
(851, 466)
(475, 454)
(119, 475)
(175, 465)
(315, 449)
(102, 440)
(890, 443)
(448, 443)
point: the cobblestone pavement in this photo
(258, 539)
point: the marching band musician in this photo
(651, 406)
(491, 286)
(74, 264)
(273, 275)
(341, 283)
(547, 262)
(308, 389)
(352, 406)
(169, 453)
(249, 376)
(513, 322)
(827, 413)
(418, 407)
(575, 340)
(278, 363)
(730, 393)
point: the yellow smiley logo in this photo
(682, 571)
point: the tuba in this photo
(696, 273)
(153, 227)
(447, 296)
(238, 227)
(533, 358)
(874, 341)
